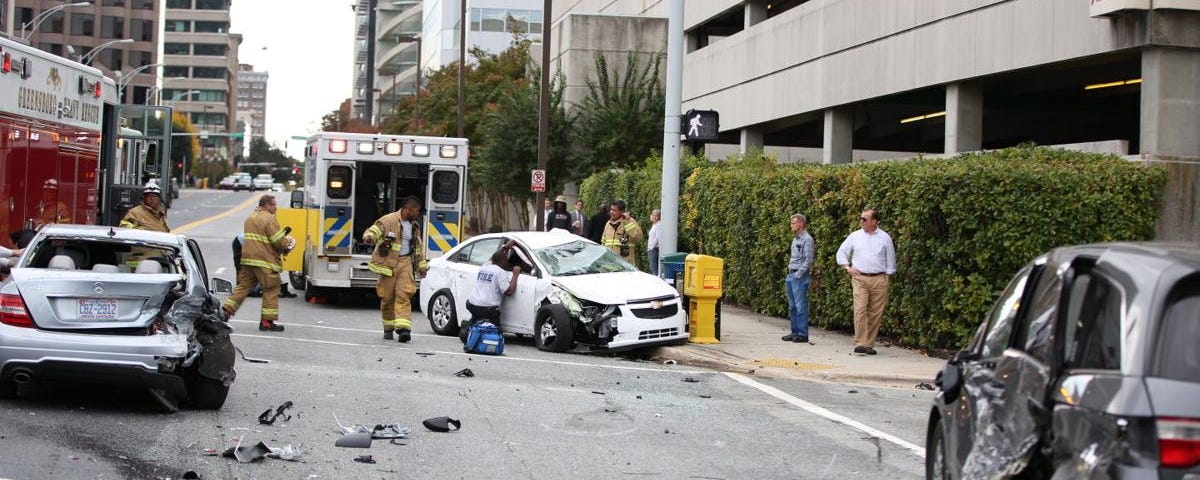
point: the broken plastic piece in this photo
(250, 359)
(466, 372)
(364, 459)
(354, 440)
(247, 454)
(924, 386)
(383, 432)
(268, 417)
(690, 380)
(442, 424)
(289, 453)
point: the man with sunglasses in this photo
(869, 256)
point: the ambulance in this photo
(352, 179)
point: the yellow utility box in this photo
(702, 281)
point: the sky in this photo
(307, 46)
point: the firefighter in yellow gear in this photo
(396, 258)
(262, 246)
(621, 232)
(150, 214)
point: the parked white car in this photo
(572, 293)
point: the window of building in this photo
(140, 94)
(181, 4)
(142, 30)
(3, 17)
(83, 24)
(114, 3)
(476, 16)
(208, 118)
(208, 72)
(112, 27)
(55, 48)
(173, 48)
(140, 59)
(176, 94)
(535, 21)
(209, 96)
(178, 26)
(517, 21)
(211, 27)
(175, 71)
(210, 49)
(493, 20)
(113, 58)
(144, 4)
(212, 4)
(54, 24)
(23, 15)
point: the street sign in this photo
(700, 125)
(537, 181)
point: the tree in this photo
(280, 163)
(620, 121)
(185, 149)
(510, 149)
(340, 121)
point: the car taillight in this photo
(1179, 442)
(13, 311)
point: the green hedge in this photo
(962, 226)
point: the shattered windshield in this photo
(581, 258)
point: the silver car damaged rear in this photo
(114, 306)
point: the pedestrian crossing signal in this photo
(700, 125)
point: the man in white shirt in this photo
(492, 284)
(870, 257)
(652, 242)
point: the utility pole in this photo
(669, 228)
(544, 114)
(370, 88)
(462, 62)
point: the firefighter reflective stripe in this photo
(278, 235)
(374, 232)
(442, 236)
(231, 303)
(380, 269)
(612, 242)
(262, 264)
(254, 237)
(270, 313)
(126, 224)
(402, 324)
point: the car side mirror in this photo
(297, 200)
(950, 380)
(221, 286)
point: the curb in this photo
(726, 362)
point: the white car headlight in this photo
(568, 301)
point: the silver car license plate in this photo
(97, 309)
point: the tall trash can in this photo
(670, 267)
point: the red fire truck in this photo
(68, 152)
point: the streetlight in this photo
(155, 89)
(87, 58)
(124, 78)
(37, 21)
(417, 88)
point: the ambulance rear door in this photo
(337, 209)
(444, 201)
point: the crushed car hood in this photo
(615, 288)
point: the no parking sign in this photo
(537, 181)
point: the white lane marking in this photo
(441, 352)
(811, 408)
(344, 329)
(219, 271)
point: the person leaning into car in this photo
(150, 214)
(397, 240)
(265, 241)
(492, 284)
(869, 256)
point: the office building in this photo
(201, 71)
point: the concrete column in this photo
(839, 135)
(1170, 110)
(756, 11)
(964, 117)
(751, 139)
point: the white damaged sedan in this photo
(572, 293)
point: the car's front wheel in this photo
(443, 318)
(554, 330)
(935, 452)
(204, 392)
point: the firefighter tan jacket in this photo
(625, 228)
(383, 261)
(263, 241)
(143, 217)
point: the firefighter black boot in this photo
(387, 335)
(403, 336)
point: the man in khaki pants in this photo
(870, 257)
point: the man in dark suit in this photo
(596, 224)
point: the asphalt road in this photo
(529, 414)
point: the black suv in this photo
(1088, 366)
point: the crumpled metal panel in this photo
(197, 317)
(1086, 443)
(1008, 403)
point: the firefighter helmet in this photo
(151, 188)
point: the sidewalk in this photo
(750, 341)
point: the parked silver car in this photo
(115, 306)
